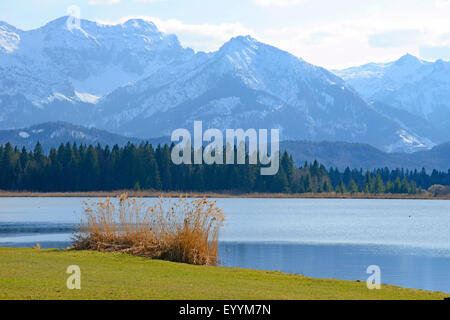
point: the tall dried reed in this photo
(177, 230)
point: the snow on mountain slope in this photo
(52, 134)
(373, 77)
(94, 60)
(9, 37)
(249, 84)
(137, 81)
(426, 132)
(53, 73)
(417, 86)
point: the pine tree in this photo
(389, 187)
(368, 183)
(413, 188)
(378, 185)
(353, 188)
(397, 185)
(309, 187)
(404, 186)
(341, 187)
(327, 187)
(6, 167)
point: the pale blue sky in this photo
(329, 33)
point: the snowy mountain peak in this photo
(130, 29)
(248, 40)
(419, 87)
(56, 24)
(65, 27)
(408, 61)
(89, 60)
(240, 43)
(140, 24)
(408, 58)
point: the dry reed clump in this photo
(176, 230)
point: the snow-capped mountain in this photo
(249, 84)
(134, 80)
(83, 63)
(419, 87)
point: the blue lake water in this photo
(324, 238)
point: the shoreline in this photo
(218, 195)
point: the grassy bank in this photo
(40, 274)
(154, 194)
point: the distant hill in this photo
(438, 157)
(52, 134)
(354, 155)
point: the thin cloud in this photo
(442, 3)
(395, 38)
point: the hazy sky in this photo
(328, 33)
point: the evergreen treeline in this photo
(95, 168)
(386, 181)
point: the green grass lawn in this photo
(41, 274)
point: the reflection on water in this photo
(408, 267)
(28, 228)
(408, 239)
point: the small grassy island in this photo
(41, 274)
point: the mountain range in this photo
(133, 80)
(52, 134)
(357, 155)
(418, 89)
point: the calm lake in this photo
(408, 239)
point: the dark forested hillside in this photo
(51, 134)
(73, 167)
(356, 155)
